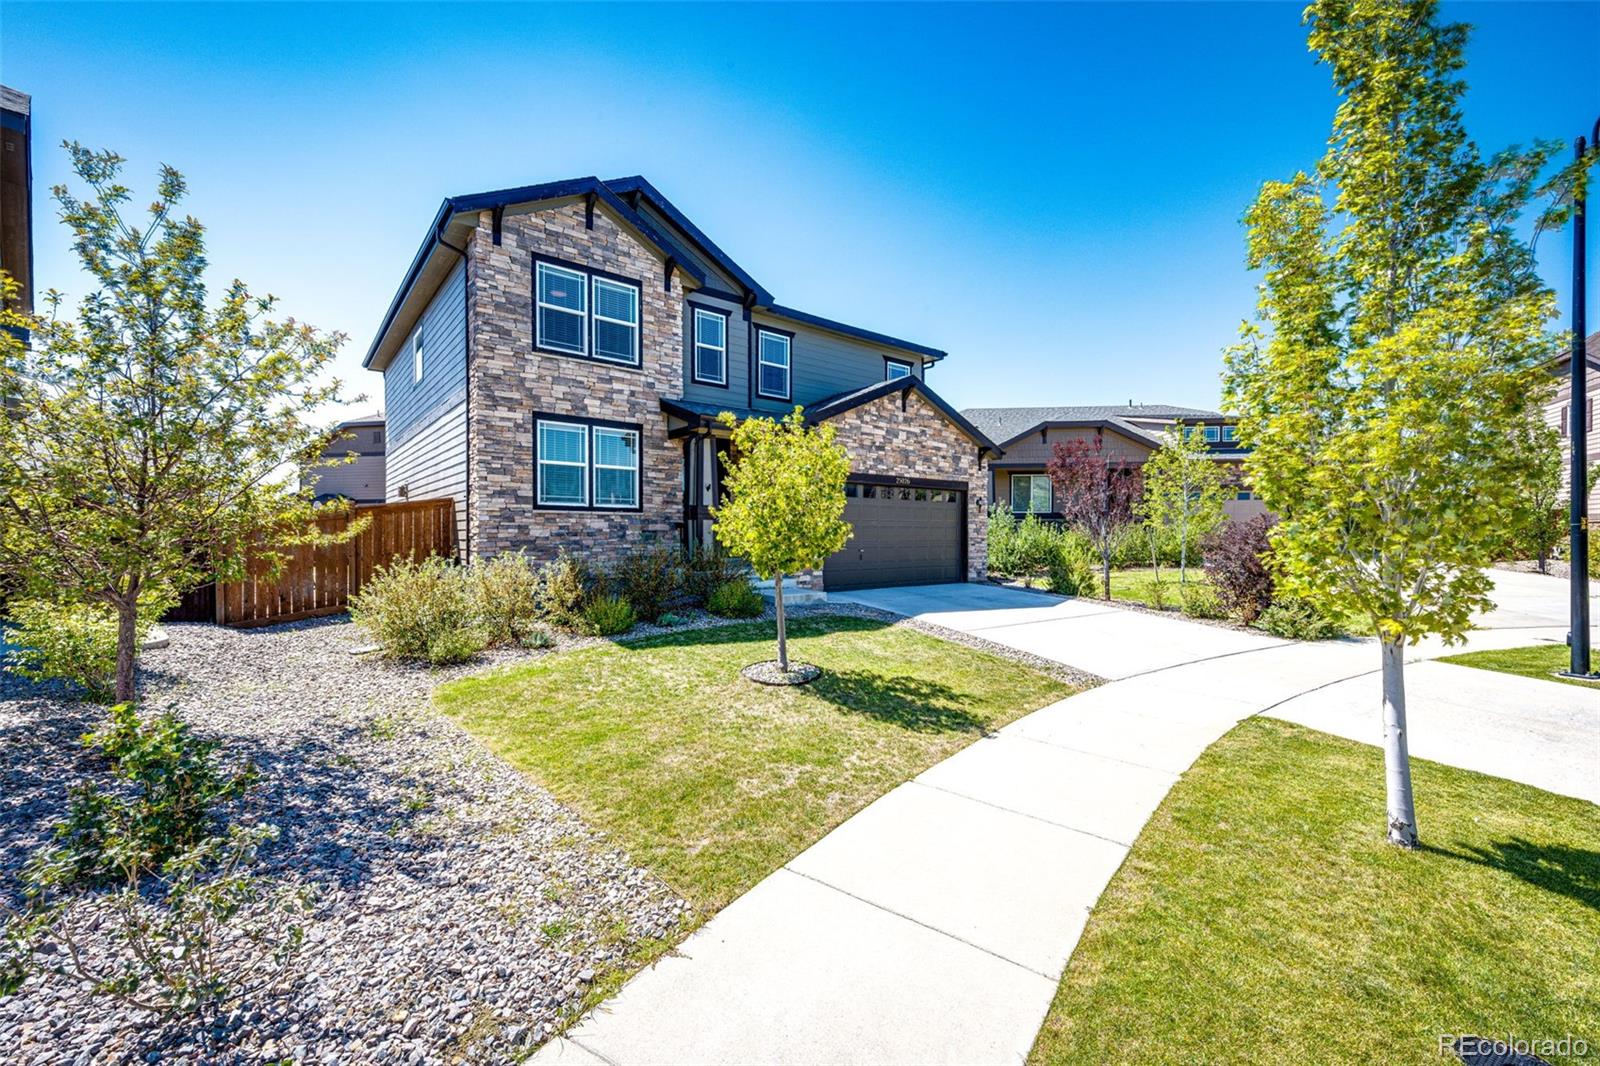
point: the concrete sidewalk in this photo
(933, 926)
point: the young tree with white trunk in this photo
(1403, 335)
(1183, 490)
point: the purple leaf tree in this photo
(1095, 493)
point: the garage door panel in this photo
(899, 539)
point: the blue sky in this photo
(1050, 193)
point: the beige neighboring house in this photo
(1028, 436)
(360, 481)
(1559, 412)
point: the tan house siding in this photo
(509, 381)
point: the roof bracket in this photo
(588, 211)
(904, 393)
(666, 279)
(499, 222)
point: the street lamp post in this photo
(1578, 433)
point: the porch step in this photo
(793, 594)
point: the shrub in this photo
(565, 587)
(669, 620)
(535, 638)
(707, 569)
(1071, 570)
(74, 642)
(1156, 592)
(1200, 601)
(1297, 619)
(456, 645)
(408, 605)
(648, 578)
(736, 599)
(606, 616)
(1236, 555)
(505, 596)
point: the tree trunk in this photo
(1402, 815)
(783, 640)
(127, 646)
(1105, 571)
(1183, 554)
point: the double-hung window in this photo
(772, 365)
(583, 464)
(1030, 493)
(563, 310)
(616, 321)
(710, 347)
(895, 369)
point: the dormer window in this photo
(710, 347)
(772, 370)
(895, 369)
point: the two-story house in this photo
(1561, 412)
(556, 358)
(354, 464)
(1028, 436)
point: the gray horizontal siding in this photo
(432, 463)
(362, 480)
(715, 276)
(412, 405)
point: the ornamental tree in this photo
(1539, 519)
(1402, 334)
(1183, 490)
(1095, 493)
(154, 436)
(783, 507)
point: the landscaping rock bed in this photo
(462, 914)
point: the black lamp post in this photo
(1578, 434)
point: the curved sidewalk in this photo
(933, 926)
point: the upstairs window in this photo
(1230, 433)
(1031, 494)
(562, 313)
(772, 370)
(710, 347)
(895, 369)
(616, 321)
(416, 357)
(1213, 434)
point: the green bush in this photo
(1157, 592)
(1201, 601)
(648, 578)
(669, 620)
(534, 638)
(1071, 570)
(606, 616)
(505, 596)
(457, 645)
(1025, 549)
(736, 599)
(408, 605)
(1297, 619)
(73, 642)
(566, 586)
(707, 569)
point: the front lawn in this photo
(1542, 661)
(715, 781)
(1133, 584)
(1261, 917)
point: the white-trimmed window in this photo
(895, 369)
(1213, 434)
(616, 321)
(772, 365)
(1230, 433)
(1030, 494)
(710, 347)
(563, 460)
(616, 467)
(416, 356)
(562, 309)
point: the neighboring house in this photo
(16, 196)
(361, 481)
(1559, 412)
(556, 358)
(1028, 436)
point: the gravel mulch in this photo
(462, 913)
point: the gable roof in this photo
(1591, 354)
(834, 406)
(636, 184)
(1006, 424)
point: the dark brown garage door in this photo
(903, 536)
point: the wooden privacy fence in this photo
(320, 580)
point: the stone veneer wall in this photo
(509, 381)
(921, 443)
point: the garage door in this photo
(904, 535)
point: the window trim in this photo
(595, 467)
(539, 267)
(890, 361)
(416, 357)
(1213, 434)
(589, 425)
(1230, 434)
(696, 310)
(1011, 493)
(595, 281)
(788, 369)
(538, 465)
(588, 274)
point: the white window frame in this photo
(1230, 434)
(1033, 480)
(891, 365)
(595, 281)
(1213, 434)
(596, 464)
(787, 364)
(416, 356)
(722, 349)
(542, 462)
(539, 305)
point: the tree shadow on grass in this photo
(911, 703)
(1572, 872)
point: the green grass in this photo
(1133, 584)
(714, 781)
(1261, 916)
(1541, 661)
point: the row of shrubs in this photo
(1031, 549)
(438, 611)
